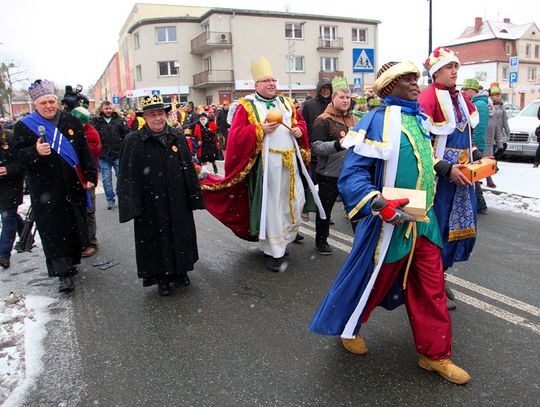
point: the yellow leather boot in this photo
(446, 368)
(356, 345)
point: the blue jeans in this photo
(105, 166)
(12, 224)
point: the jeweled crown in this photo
(151, 100)
(41, 88)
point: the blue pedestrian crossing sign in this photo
(363, 60)
(357, 84)
(513, 77)
(156, 91)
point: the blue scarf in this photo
(58, 143)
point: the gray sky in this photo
(71, 41)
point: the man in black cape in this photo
(158, 188)
(51, 146)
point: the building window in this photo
(165, 34)
(531, 74)
(528, 50)
(329, 64)
(138, 72)
(168, 68)
(508, 48)
(207, 63)
(294, 64)
(294, 31)
(359, 35)
(537, 51)
(505, 73)
(136, 41)
(328, 32)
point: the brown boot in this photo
(356, 345)
(446, 368)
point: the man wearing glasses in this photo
(262, 194)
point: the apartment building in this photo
(204, 54)
(485, 48)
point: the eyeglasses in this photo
(268, 81)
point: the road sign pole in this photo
(362, 84)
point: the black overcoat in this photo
(57, 196)
(11, 185)
(158, 188)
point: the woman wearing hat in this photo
(205, 131)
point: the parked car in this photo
(511, 109)
(522, 141)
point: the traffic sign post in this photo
(363, 60)
(513, 75)
(116, 100)
(156, 92)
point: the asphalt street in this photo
(238, 336)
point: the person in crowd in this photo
(328, 132)
(51, 147)
(479, 98)
(206, 133)
(360, 108)
(191, 116)
(450, 119)
(537, 132)
(112, 130)
(158, 189)
(394, 259)
(90, 245)
(11, 196)
(313, 108)
(498, 131)
(262, 194)
(223, 124)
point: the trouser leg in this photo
(328, 193)
(9, 231)
(91, 218)
(425, 300)
(106, 179)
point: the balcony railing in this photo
(210, 39)
(335, 44)
(210, 78)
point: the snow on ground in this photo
(518, 189)
(29, 295)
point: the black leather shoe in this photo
(164, 289)
(298, 238)
(66, 284)
(324, 248)
(275, 265)
(182, 281)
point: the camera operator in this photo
(11, 196)
(74, 98)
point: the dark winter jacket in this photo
(57, 196)
(327, 130)
(312, 108)
(11, 185)
(112, 134)
(480, 131)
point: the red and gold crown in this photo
(439, 58)
(41, 88)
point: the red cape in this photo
(227, 198)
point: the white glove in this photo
(203, 173)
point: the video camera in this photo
(74, 98)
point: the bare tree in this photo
(10, 74)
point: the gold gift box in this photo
(417, 201)
(480, 169)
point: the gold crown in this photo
(152, 100)
(261, 69)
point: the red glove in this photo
(390, 210)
